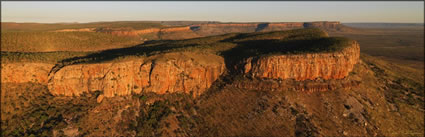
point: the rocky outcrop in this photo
(334, 65)
(173, 72)
(25, 72)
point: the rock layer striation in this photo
(333, 65)
(172, 72)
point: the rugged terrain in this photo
(298, 82)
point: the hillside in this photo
(39, 27)
(63, 41)
(298, 82)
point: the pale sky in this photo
(242, 11)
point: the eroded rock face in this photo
(335, 65)
(25, 72)
(173, 72)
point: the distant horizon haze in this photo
(222, 11)
(217, 21)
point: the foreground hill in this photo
(297, 83)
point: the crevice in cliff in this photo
(150, 72)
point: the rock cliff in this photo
(334, 65)
(173, 72)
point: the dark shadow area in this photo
(261, 26)
(195, 28)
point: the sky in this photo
(225, 11)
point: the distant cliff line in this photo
(213, 28)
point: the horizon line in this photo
(75, 22)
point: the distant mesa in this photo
(210, 29)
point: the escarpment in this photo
(309, 66)
(173, 72)
(202, 30)
(193, 66)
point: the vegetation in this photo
(230, 46)
(30, 110)
(63, 41)
(9, 26)
(402, 89)
(39, 57)
(390, 97)
(400, 45)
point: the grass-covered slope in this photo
(63, 41)
(11, 26)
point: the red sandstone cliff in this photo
(335, 65)
(173, 72)
(179, 72)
